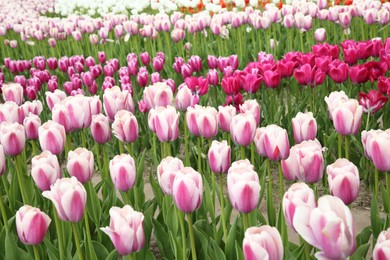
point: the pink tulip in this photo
(184, 98)
(347, 117)
(272, 78)
(198, 85)
(167, 170)
(55, 97)
(13, 92)
(304, 127)
(125, 126)
(31, 225)
(81, 164)
(123, 172)
(272, 142)
(202, 121)
(52, 137)
(69, 198)
(243, 128)
(343, 179)
(376, 143)
(31, 124)
(243, 186)
(102, 57)
(219, 156)
(114, 100)
(262, 242)
(299, 194)
(45, 170)
(145, 58)
(251, 106)
(329, 227)
(187, 190)
(225, 116)
(166, 123)
(2, 161)
(335, 99)
(320, 34)
(100, 128)
(305, 163)
(381, 249)
(9, 112)
(158, 94)
(12, 138)
(126, 230)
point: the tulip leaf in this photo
(176, 246)
(376, 221)
(230, 241)
(361, 252)
(13, 251)
(162, 240)
(363, 237)
(93, 204)
(203, 224)
(100, 250)
(2, 242)
(218, 253)
(239, 252)
(204, 241)
(208, 200)
(113, 255)
(385, 198)
(270, 205)
(158, 194)
(51, 249)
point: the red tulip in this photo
(373, 101)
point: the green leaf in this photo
(93, 204)
(363, 237)
(239, 253)
(385, 198)
(176, 246)
(218, 253)
(361, 252)
(376, 221)
(230, 241)
(100, 250)
(13, 251)
(204, 241)
(113, 255)
(162, 240)
(51, 249)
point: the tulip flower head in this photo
(31, 225)
(262, 242)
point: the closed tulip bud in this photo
(329, 227)
(81, 164)
(375, 143)
(343, 179)
(166, 123)
(251, 106)
(304, 127)
(320, 34)
(187, 190)
(31, 225)
(262, 242)
(305, 163)
(13, 138)
(243, 187)
(158, 94)
(167, 170)
(381, 249)
(100, 128)
(102, 57)
(219, 157)
(114, 100)
(13, 92)
(52, 137)
(45, 170)
(338, 71)
(125, 126)
(335, 99)
(202, 121)
(347, 117)
(243, 128)
(145, 58)
(158, 64)
(184, 98)
(272, 142)
(299, 194)
(69, 198)
(31, 124)
(225, 116)
(123, 172)
(126, 230)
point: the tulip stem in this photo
(19, 172)
(281, 183)
(388, 187)
(270, 204)
(376, 180)
(187, 160)
(130, 149)
(346, 147)
(213, 202)
(368, 120)
(167, 148)
(340, 140)
(245, 221)
(183, 232)
(77, 240)
(135, 190)
(59, 233)
(242, 149)
(36, 252)
(222, 209)
(68, 144)
(253, 153)
(120, 144)
(199, 156)
(162, 149)
(192, 238)
(3, 212)
(89, 246)
(154, 147)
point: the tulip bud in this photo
(262, 242)
(123, 172)
(125, 126)
(304, 127)
(167, 170)
(219, 156)
(381, 249)
(187, 190)
(272, 142)
(52, 137)
(45, 170)
(80, 164)
(31, 225)
(13, 138)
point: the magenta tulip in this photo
(123, 172)
(31, 225)
(262, 242)
(2, 161)
(219, 156)
(372, 101)
(184, 98)
(304, 127)
(167, 170)
(45, 170)
(69, 198)
(187, 190)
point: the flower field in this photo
(202, 129)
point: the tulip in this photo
(187, 190)
(335, 99)
(381, 249)
(320, 34)
(329, 227)
(2, 161)
(9, 112)
(55, 97)
(272, 142)
(202, 121)
(305, 163)
(145, 58)
(243, 187)
(307, 75)
(69, 198)
(304, 127)
(158, 94)
(102, 57)
(52, 137)
(251, 106)
(184, 98)
(231, 85)
(299, 194)
(167, 170)
(45, 170)
(115, 100)
(123, 172)
(100, 128)
(12, 138)
(262, 242)
(31, 225)
(198, 85)
(343, 179)
(126, 230)
(125, 126)
(272, 78)
(338, 71)
(219, 156)
(213, 77)
(224, 116)
(373, 101)
(242, 129)
(31, 124)
(13, 92)
(166, 123)
(347, 117)
(81, 164)
(376, 143)
(358, 74)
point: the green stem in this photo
(89, 246)
(199, 155)
(77, 240)
(120, 144)
(130, 149)
(162, 149)
(167, 148)
(242, 150)
(83, 138)
(388, 187)
(192, 238)
(19, 171)
(3, 212)
(339, 143)
(213, 202)
(376, 180)
(183, 232)
(135, 190)
(186, 154)
(368, 120)
(281, 182)
(68, 145)
(253, 153)
(37, 256)
(222, 209)
(245, 221)
(132, 256)
(59, 234)
(346, 148)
